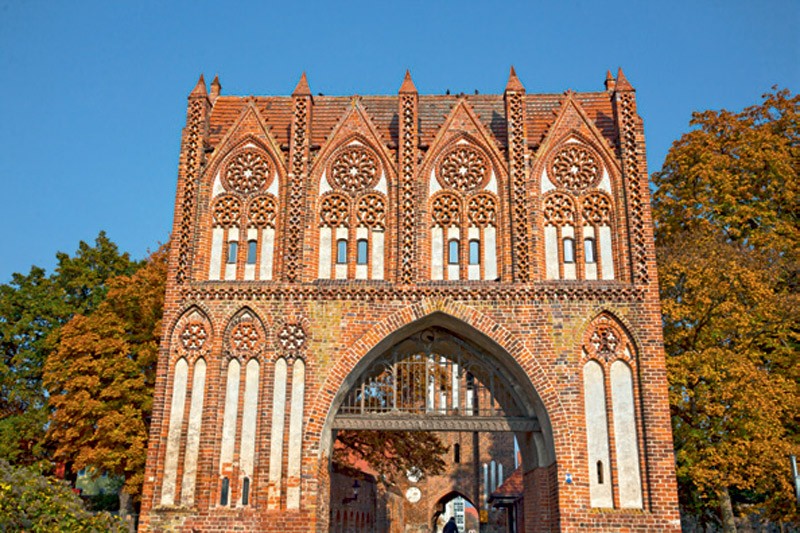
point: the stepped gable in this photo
(433, 110)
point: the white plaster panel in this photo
(437, 253)
(217, 241)
(362, 271)
(377, 254)
(489, 243)
(274, 186)
(295, 435)
(250, 270)
(341, 270)
(453, 271)
(474, 271)
(247, 451)
(267, 253)
(179, 382)
(594, 397)
(569, 268)
(546, 184)
(606, 252)
(217, 188)
(324, 186)
(590, 268)
(325, 250)
(276, 434)
(230, 414)
(605, 182)
(381, 185)
(193, 433)
(551, 251)
(625, 440)
(230, 268)
(434, 184)
(492, 184)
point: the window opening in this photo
(474, 252)
(233, 251)
(600, 472)
(246, 491)
(452, 254)
(251, 252)
(341, 251)
(457, 453)
(361, 251)
(569, 250)
(223, 497)
(588, 251)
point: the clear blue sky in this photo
(93, 94)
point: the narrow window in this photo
(341, 251)
(361, 251)
(474, 252)
(456, 453)
(246, 491)
(569, 250)
(251, 252)
(588, 250)
(223, 497)
(599, 472)
(452, 252)
(233, 250)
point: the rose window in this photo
(605, 342)
(355, 168)
(463, 168)
(446, 211)
(245, 337)
(334, 211)
(193, 336)
(262, 212)
(292, 337)
(575, 168)
(558, 210)
(249, 171)
(371, 211)
(226, 211)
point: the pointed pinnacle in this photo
(610, 82)
(622, 82)
(408, 84)
(200, 88)
(514, 85)
(302, 88)
(216, 88)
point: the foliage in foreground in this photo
(35, 503)
(728, 244)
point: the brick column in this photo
(298, 180)
(520, 214)
(407, 163)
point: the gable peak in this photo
(514, 85)
(302, 88)
(199, 88)
(408, 84)
(622, 82)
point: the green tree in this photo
(101, 377)
(726, 209)
(32, 309)
(32, 502)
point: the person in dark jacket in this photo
(450, 526)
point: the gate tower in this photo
(324, 245)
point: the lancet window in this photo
(352, 215)
(244, 217)
(463, 216)
(609, 355)
(578, 215)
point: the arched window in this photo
(599, 472)
(456, 453)
(233, 251)
(362, 248)
(589, 251)
(452, 252)
(246, 491)
(569, 250)
(474, 252)
(341, 251)
(223, 495)
(252, 247)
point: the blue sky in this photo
(93, 94)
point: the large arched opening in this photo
(440, 374)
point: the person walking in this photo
(450, 526)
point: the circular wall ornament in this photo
(248, 171)
(354, 168)
(463, 168)
(413, 494)
(575, 167)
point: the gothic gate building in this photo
(324, 245)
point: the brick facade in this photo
(561, 176)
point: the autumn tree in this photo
(32, 309)
(726, 210)
(101, 377)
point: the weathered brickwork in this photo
(277, 299)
